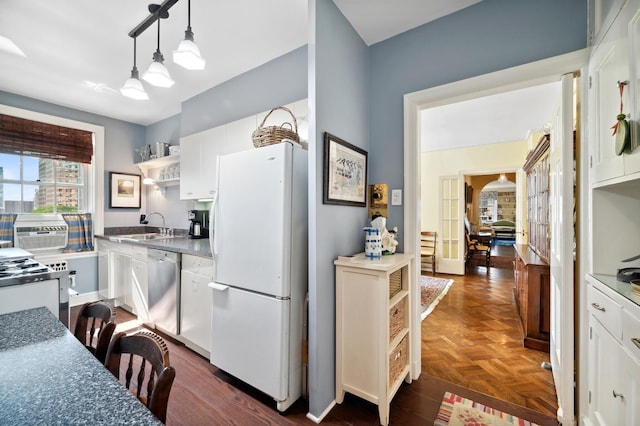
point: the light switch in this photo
(396, 197)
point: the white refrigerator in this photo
(259, 245)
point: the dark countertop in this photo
(180, 244)
(48, 377)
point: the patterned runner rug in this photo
(432, 290)
(458, 411)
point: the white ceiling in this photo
(78, 53)
(504, 117)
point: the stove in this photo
(26, 283)
(13, 269)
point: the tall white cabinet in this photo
(609, 361)
(373, 328)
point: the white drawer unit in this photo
(373, 328)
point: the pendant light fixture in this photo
(133, 87)
(188, 53)
(157, 74)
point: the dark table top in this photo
(48, 377)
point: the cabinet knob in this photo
(598, 307)
(616, 394)
(636, 342)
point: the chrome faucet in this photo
(144, 219)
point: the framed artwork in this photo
(345, 173)
(124, 190)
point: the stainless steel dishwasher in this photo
(164, 290)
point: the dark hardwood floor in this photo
(469, 347)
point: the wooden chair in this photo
(148, 361)
(474, 247)
(94, 327)
(428, 240)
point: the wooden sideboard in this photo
(533, 298)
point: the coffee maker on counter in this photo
(199, 227)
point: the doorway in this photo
(528, 75)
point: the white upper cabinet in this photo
(611, 64)
(199, 152)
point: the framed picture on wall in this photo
(124, 190)
(345, 173)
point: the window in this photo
(92, 192)
(42, 185)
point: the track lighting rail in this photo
(161, 11)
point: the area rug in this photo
(458, 411)
(432, 290)
(499, 242)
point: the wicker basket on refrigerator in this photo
(271, 135)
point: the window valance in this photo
(36, 139)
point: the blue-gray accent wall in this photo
(278, 82)
(338, 104)
(489, 36)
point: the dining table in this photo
(48, 377)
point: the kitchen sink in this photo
(143, 237)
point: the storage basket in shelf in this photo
(395, 283)
(398, 360)
(397, 322)
(271, 135)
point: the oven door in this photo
(30, 295)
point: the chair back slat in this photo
(94, 327)
(428, 247)
(151, 365)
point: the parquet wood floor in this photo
(474, 339)
(470, 347)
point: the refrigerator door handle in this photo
(212, 223)
(217, 286)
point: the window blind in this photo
(36, 139)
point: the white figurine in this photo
(389, 242)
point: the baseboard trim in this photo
(323, 415)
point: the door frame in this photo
(522, 76)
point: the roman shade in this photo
(36, 139)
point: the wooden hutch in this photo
(531, 266)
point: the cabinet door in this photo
(632, 160)
(608, 65)
(105, 291)
(121, 278)
(189, 168)
(606, 406)
(195, 309)
(140, 290)
(631, 368)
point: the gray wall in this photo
(339, 96)
(277, 82)
(486, 37)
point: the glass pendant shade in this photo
(133, 86)
(188, 54)
(157, 74)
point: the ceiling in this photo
(78, 53)
(505, 117)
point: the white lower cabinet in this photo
(613, 356)
(139, 283)
(120, 278)
(195, 303)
